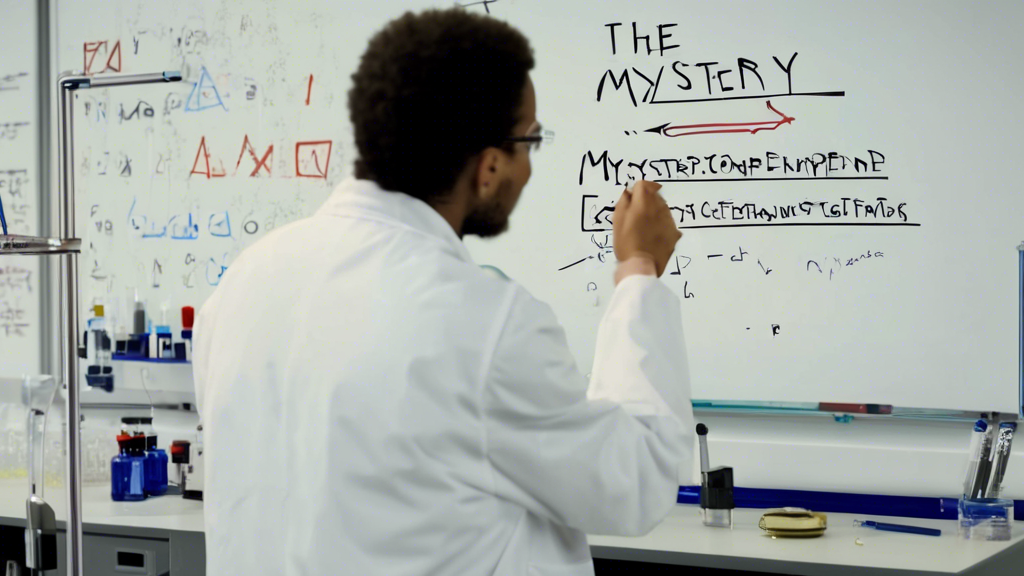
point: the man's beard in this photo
(491, 219)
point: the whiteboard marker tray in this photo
(17, 244)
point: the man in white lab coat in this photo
(375, 403)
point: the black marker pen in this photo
(716, 501)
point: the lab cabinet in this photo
(109, 550)
(105, 555)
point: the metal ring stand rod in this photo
(1020, 333)
(67, 84)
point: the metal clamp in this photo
(18, 244)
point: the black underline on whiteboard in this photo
(571, 265)
(837, 93)
(770, 179)
(772, 225)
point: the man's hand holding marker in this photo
(645, 232)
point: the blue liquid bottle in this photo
(156, 462)
(127, 471)
(120, 465)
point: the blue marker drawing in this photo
(153, 232)
(3, 220)
(188, 231)
(131, 219)
(204, 94)
(219, 225)
(214, 271)
(140, 222)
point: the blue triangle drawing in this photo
(204, 94)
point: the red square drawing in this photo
(312, 158)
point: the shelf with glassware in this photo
(146, 367)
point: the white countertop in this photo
(681, 533)
(163, 512)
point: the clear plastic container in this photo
(984, 518)
(718, 518)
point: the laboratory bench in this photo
(166, 535)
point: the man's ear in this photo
(489, 173)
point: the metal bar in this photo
(44, 130)
(17, 244)
(1020, 333)
(109, 80)
(69, 337)
(69, 324)
(66, 152)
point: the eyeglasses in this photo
(535, 138)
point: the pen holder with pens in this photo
(981, 513)
(984, 518)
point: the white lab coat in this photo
(375, 403)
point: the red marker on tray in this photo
(188, 316)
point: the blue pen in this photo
(897, 528)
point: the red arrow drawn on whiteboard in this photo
(722, 128)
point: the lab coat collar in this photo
(365, 199)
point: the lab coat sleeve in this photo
(202, 341)
(605, 461)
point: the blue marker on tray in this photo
(897, 528)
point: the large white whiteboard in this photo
(20, 336)
(778, 312)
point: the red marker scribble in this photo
(91, 49)
(263, 162)
(315, 152)
(723, 128)
(309, 90)
(205, 155)
(214, 173)
(206, 170)
(89, 54)
(115, 52)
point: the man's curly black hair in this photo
(432, 90)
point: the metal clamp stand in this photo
(68, 247)
(1020, 334)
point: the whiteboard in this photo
(20, 337)
(789, 292)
